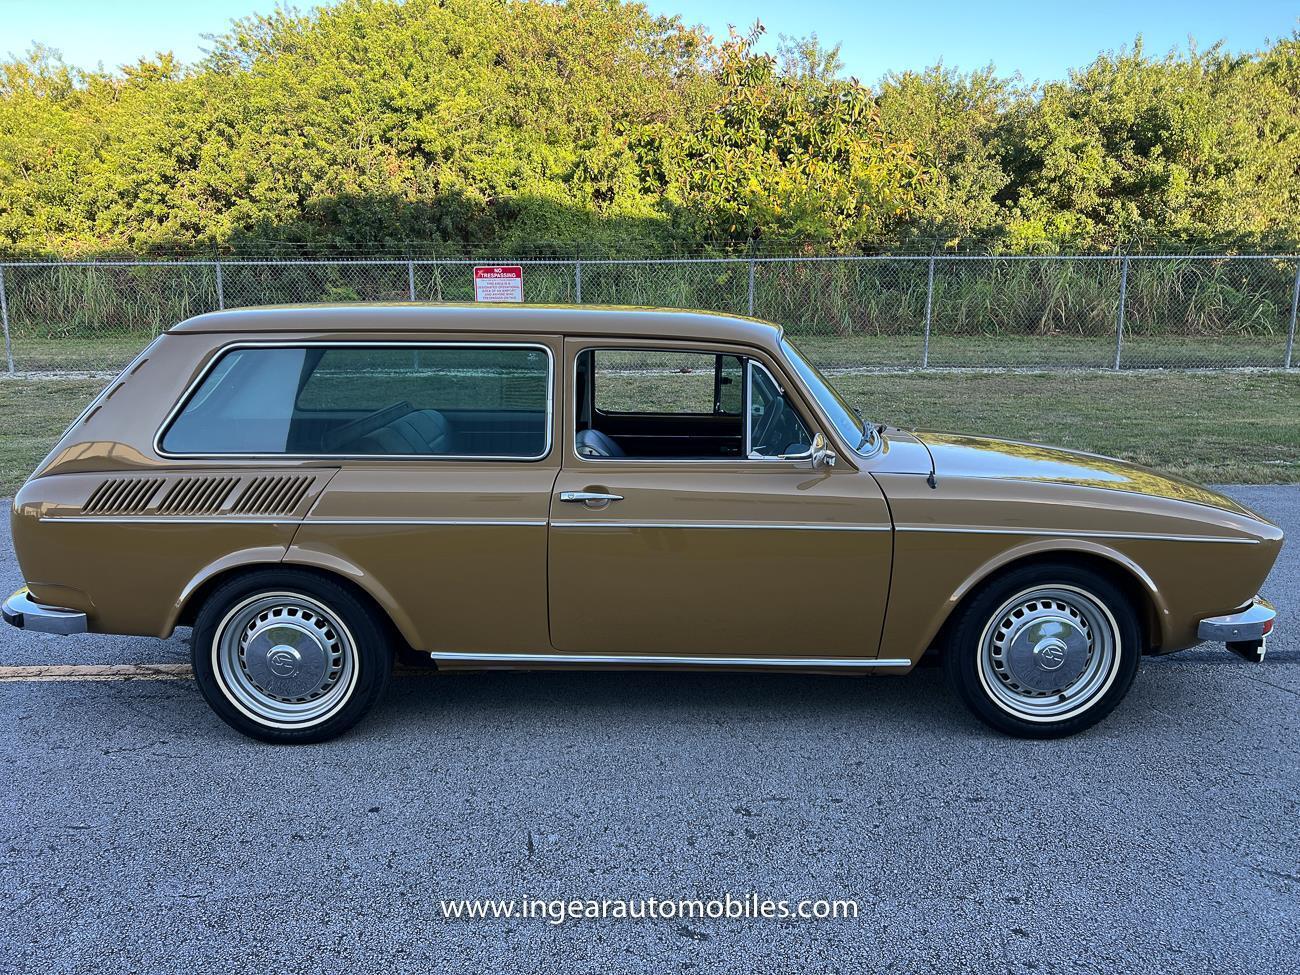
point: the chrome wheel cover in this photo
(1049, 653)
(285, 660)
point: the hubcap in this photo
(285, 660)
(1049, 653)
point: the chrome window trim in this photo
(225, 350)
(1071, 533)
(571, 435)
(655, 660)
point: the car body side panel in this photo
(130, 575)
(1191, 560)
(454, 552)
(720, 559)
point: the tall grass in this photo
(837, 297)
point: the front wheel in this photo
(1044, 651)
(289, 657)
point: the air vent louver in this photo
(196, 495)
(122, 496)
(275, 494)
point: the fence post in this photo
(4, 317)
(929, 308)
(751, 287)
(1119, 319)
(577, 282)
(221, 288)
(1290, 332)
(410, 278)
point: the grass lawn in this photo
(33, 412)
(1044, 351)
(110, 353)
(1218, 428)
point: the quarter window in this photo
(434, 401)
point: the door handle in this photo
(589, 497)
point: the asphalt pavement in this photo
(141, 834)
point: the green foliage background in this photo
(593, 127)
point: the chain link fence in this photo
(904, 313)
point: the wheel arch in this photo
(1131, 578)
(197, 593)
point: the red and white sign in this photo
(499, 283)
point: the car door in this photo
(738, 554)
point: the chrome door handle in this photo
(583, 497)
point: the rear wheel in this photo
(1044, 651)
(289, 657)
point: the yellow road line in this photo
(97, 672)
(66, 672)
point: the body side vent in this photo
(196, 495)
(273, 494)
(122, 496)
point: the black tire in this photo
(1086, 608)
(352, 656)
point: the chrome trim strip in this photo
(654, 659)
(1064, 533)
(718, 524)
(448, 522)
(236, 520)
(1253, 622)
(224, 350)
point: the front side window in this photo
(643, 404)
(429, 401)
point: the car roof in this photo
(528, 319)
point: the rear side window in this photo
(429, 401)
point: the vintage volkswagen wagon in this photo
(317, 489)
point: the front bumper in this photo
(22, 611)
(1245, 632)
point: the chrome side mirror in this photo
(819, 453)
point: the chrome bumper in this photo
(22, 611)
(1254, 622)
(1245, 632)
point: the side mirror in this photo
(819, 453)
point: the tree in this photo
(786, 157)
(954, 123)
(1135, 152)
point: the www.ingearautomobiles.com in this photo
(561, 910)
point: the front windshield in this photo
(846, 420)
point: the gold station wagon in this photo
(316, 490)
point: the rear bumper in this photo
(22, 611)
(1244, 632)
(1253, 622)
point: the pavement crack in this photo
(1276, 687)
(1280, 874)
